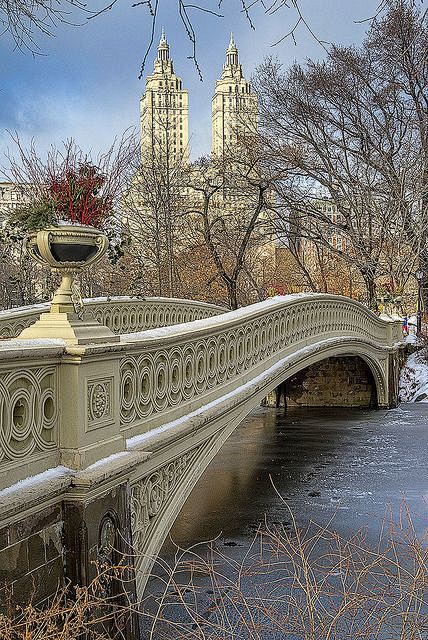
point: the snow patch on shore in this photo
(414, 378)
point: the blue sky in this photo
(85, 85)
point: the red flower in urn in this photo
(77, 195)
(68, 187)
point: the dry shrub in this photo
(74, 613)
(299, 584)
(309, 584)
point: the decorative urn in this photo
(66, 249)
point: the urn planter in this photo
(67, 249)
(67, 246)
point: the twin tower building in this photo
(164, 108)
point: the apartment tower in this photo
(164, 111)
(234, 105)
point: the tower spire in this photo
(234, 105)
(232, 53)
(164, 110)
(163, 47)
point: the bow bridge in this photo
(108, 438)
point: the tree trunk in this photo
(423, 255)
(370, 283)
(232, 294)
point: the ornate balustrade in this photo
(165, 371)
(29, 409)
(120, 313)
(74, 405)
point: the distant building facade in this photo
(11, 197)
(164, 110)
(234, 105)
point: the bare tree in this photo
(25, 20)
(155, 204)
(399, 41)
(346, 137)
(230, 200)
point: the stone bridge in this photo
(113, 436)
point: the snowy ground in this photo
(414, 378)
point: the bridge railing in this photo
(29, 409)
(165, 371)
(73, 405)
(120, 313)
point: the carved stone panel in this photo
(151, 495)
(100, 403)
(28, 412)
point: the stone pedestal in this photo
(68, 327)
(89, 397)
(98, 554)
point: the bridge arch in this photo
(157, 500)
(345, 379)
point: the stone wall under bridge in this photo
(105, 441)
(345, 381)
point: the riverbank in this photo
(414, 378)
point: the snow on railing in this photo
(120, 313)
(74, 405)
(167, 370)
